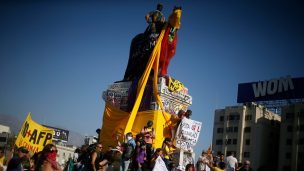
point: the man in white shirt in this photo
(231, 162)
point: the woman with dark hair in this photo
(47, 159)
(190, 167)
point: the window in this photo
(246, 154)
(247, 141)
(301, 155)
(234, 141)
(286, 168)
(221, 118)
(288, 155)
(289, 116)
(288, 141)
(228, 141)
(248, 117)
(219, 142)
(235, 129)
(247, 129)
(301, 128)
(301, 114)
(220, 130)
(237, 117)
(2, 139)
(229, 129)
(289, 128)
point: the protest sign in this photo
(34, 136)
(187, 134)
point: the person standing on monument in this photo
(155, 19)
(149, 134)
(128, 151)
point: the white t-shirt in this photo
(230, 163)
(202, 160)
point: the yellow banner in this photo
(34, 136)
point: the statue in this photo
(142, 44)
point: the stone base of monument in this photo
(121, 95)
(181, 158)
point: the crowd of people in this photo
(22, 159)
(219, 163)
(134, 154)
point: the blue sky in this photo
(56, 57)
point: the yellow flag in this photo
(34, 136)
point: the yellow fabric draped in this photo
(116, 123)
(115, 120)
(152, 63)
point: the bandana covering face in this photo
(51, 157)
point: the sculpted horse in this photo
(168, 46)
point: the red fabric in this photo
(167, 51)
(51, 157)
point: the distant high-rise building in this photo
(251, 132)
(292, 138)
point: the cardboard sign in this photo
(187, 134)
(34, 136)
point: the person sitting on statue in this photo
(155, 19)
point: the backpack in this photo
(128, 151)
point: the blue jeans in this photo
(125, 165)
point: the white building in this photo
(250, 131)
(5, 132)
(292, 138)
(64, 153)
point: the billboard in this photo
(274, 89)
(59, 134)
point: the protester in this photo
(96, 158)
(158, 152)
(155, 19)
(141, 156)
(149, 134)
(190, 167)
(246, 166)
(15, 164)
(47, 159)
(3, 159)
(113, 159)
(128, 151)
(214, 167)
(168, 151)
(231, 162)
(188, 113)
(201, 162)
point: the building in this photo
(292, 138)
(88, 140)
(5, 132)
(250, 131)
(64, 153)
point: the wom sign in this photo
(274, 89)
